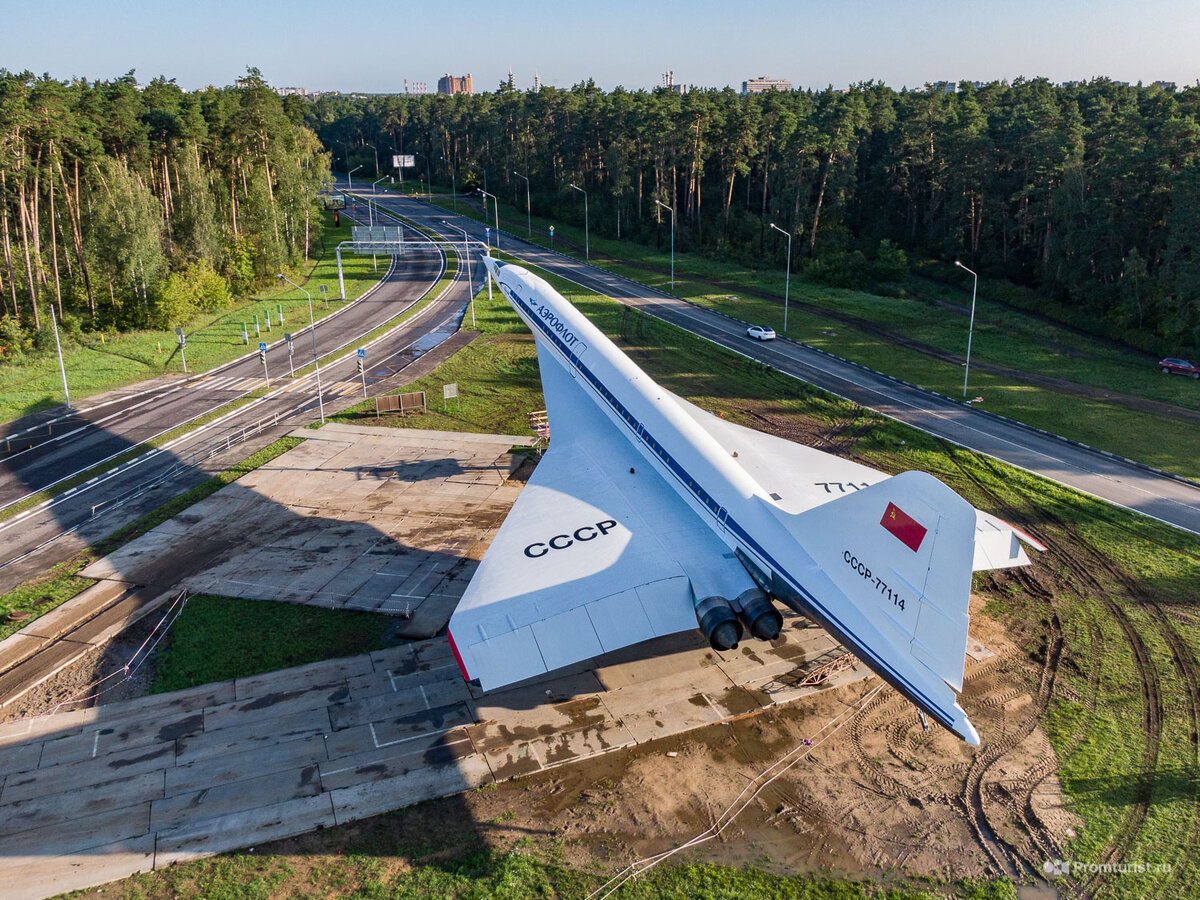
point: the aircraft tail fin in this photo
(900, 555)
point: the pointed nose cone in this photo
(492, 266)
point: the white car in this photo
(760, 333)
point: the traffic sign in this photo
(262, 345)
(362, 354)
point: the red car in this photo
(1174, 365)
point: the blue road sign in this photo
(362, 354)
(262, 345)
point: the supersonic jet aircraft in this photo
(648, 516)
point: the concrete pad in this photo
(394, 760)
(244, 828)
(374, 797)
(15, 759)
(308, 677)
(76, 835)
(223, 799)
(36, 876)
(36, 812)
(253, 733)
(245, 764)
(86, 773)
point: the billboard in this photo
(404, 161)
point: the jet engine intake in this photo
(759, 615)
(719, 623)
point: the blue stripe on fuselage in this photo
(691, 484)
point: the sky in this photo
(354, 47)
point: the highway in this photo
(97, 431)
(31, 542)
(1127, 484)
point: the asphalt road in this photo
(97, 431)
(32, 542)
(1092, 471)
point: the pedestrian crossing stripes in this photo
(228, 382)
(282, 383)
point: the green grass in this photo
(61, 582)
(94, 366)
(1002, 336)
(477, 872)
(218, 638)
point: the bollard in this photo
(279, 309)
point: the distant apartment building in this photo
(762, 84)
(454, 84)
(296, 91)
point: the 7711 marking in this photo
(840, 485)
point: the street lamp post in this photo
(787, 283)
(370, 213)
(971, 329)
(351, 179)
(467, 260)
(672, 211)
(376, 149)
(312, 328)
(428, 173)
(528, 215)
(346, 150)
(453, 183)
(496, 208)
(587, 252)
(62, 369)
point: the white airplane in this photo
(648, 516)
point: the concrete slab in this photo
(35, 876)
(244, 828)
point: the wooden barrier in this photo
(401, 403)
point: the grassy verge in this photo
(1002, 336)
(1120, 588)
(61, 582)
(218, 638)
(94, 366)
(469, 869)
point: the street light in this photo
(467, 259)
(528, 219)
(453, 184)
(587, 252)
(350, 179)
(788, 279)
(428, 173)
(312, 327)
(370, 211)
(376, 149)
(347, 150)
(496, 208)
(672, 211)
(971, 330)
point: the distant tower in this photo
(668, 81)
(537, 82)
(512, 80)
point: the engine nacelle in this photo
(719, 623)
(759, 614)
